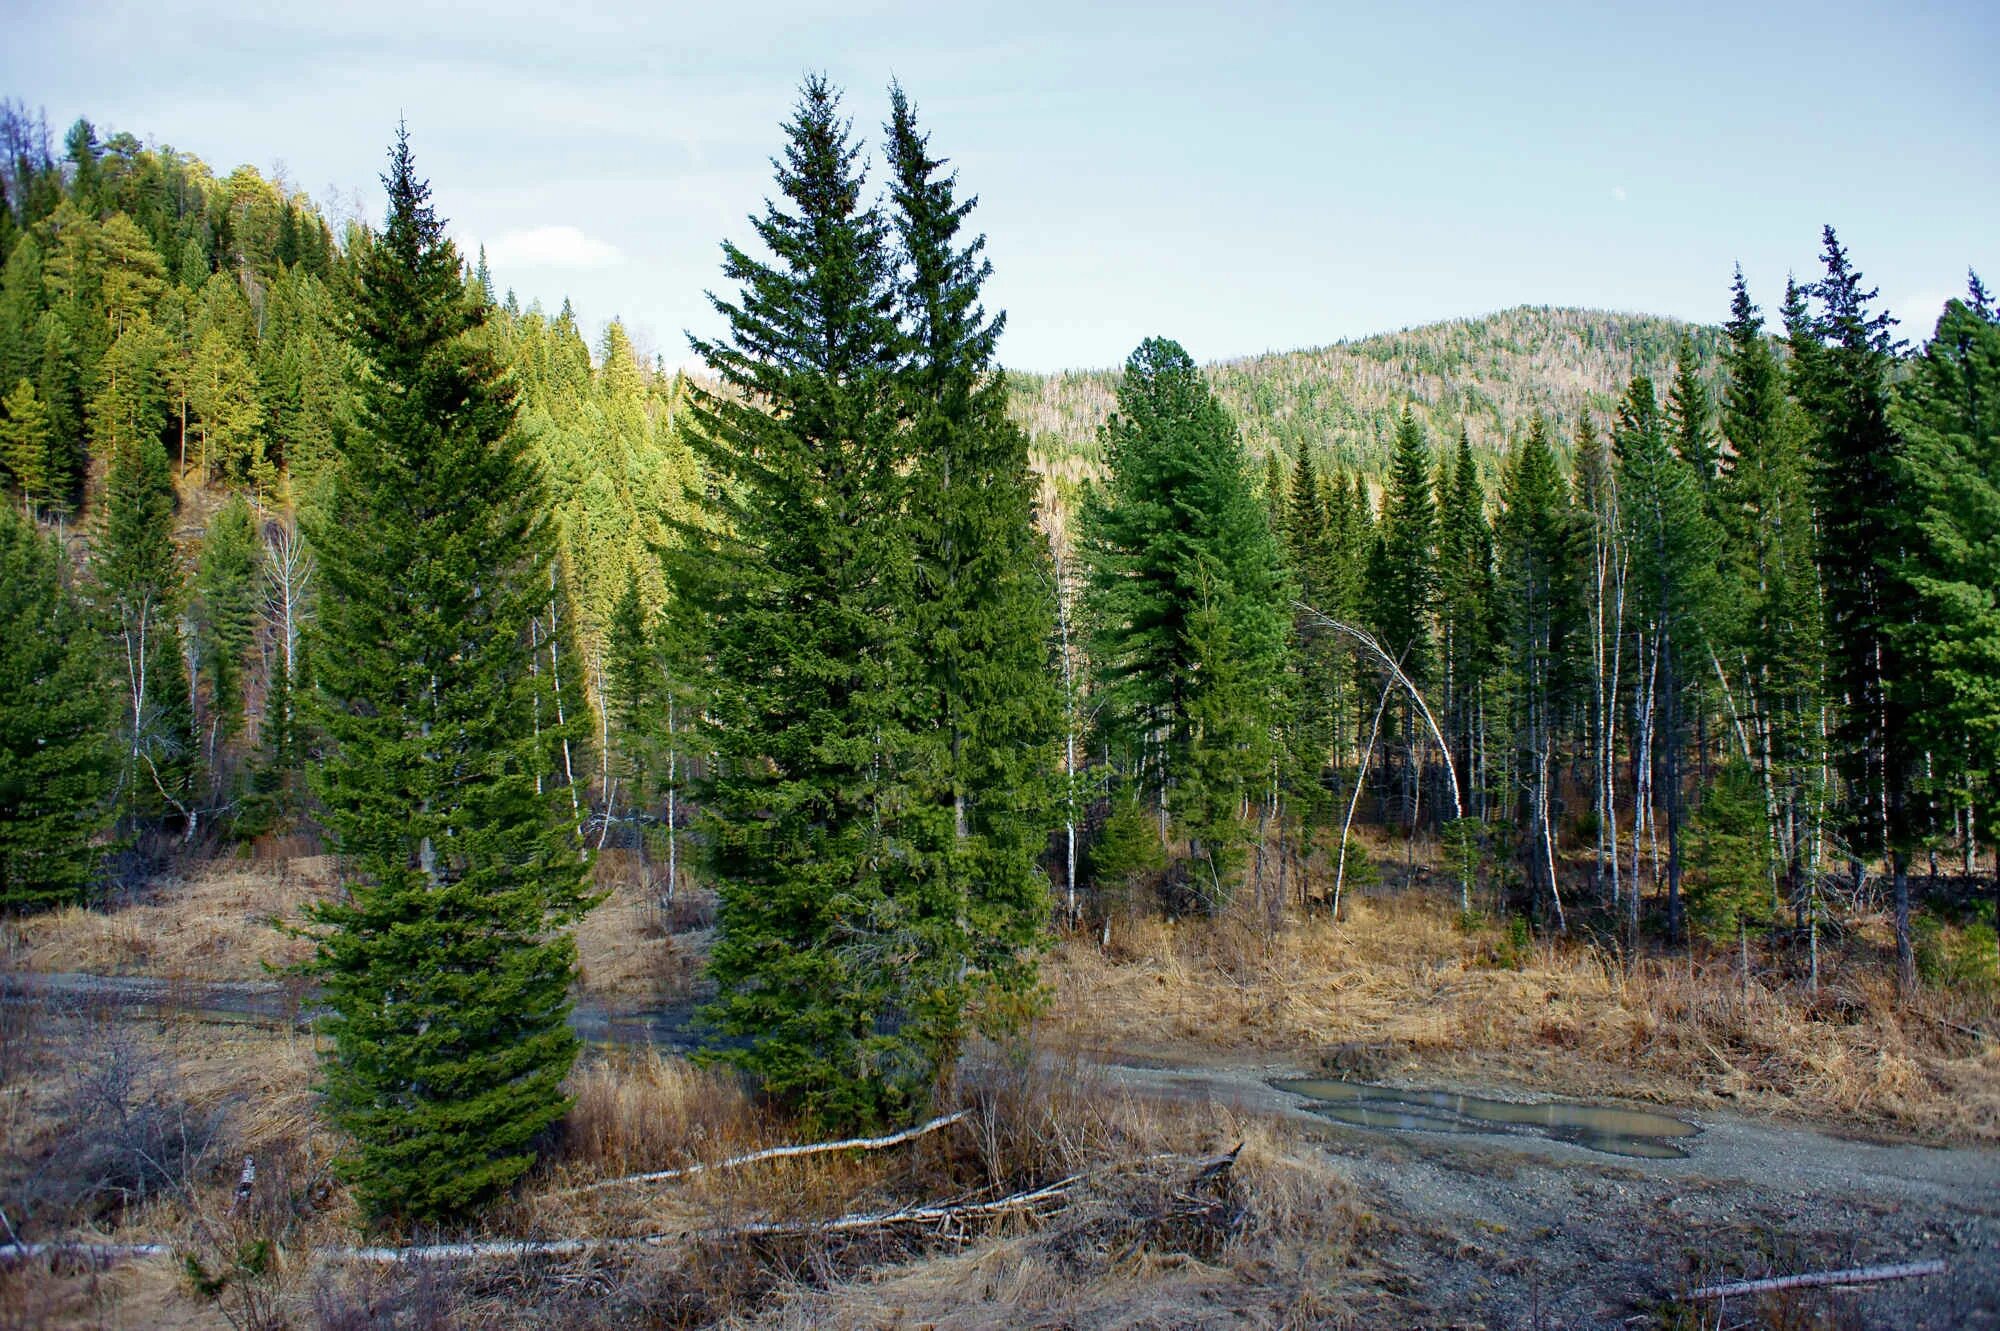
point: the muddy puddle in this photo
(1630, 1132)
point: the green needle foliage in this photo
(228, 592)
(984, 591)
(840, 959)
(445, 962)
(55, 759)
(1187, 602)
(1950, 417)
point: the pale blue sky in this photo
(1241, 179)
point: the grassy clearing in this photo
(1398, 988)
(227, 921)
(1141, 1230)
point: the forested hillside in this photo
(1491, 375)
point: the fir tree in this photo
(839, 957)
(1187, 602)
(445, 964)
(1673, 547)
(1949, 417)
(983, 602)
(1539, 603)
(139, 574)
(24, 445)
(55, 760)
(1843, 381)
(227, 593)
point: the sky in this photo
(1241, 178)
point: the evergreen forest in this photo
(914, 677)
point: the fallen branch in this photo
(1860, 1275)
(907, 1215)
(772, 1153)
(101, 1252)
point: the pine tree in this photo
(1187, 601)
(839, 957)
(1406, 586)
(445, 964)
(56, 764)
(983, 614)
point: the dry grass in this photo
(634, 946)
(219, 923)
(228, 921)
(1399, 973)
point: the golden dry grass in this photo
(218, 923)
(1400, 973)
(227, 921)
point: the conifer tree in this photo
(24, 445)
(1539, 599)
(227, 593)
(138, 572)
(1765, 511)
(983, 612)
(1949, 417)
(839, 957)
(445, 963)
(56, 764)
(1845, 354)
(1672, 548)
(1187, 605)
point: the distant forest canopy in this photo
(1492, 375)
(143, 296)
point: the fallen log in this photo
(1860, 1275)
(933, 1213)
(771, 1153)
(96, 1252)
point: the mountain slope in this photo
(1491, 373)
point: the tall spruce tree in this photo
(445, 963)
(983, 609)
(56, 760)
(227, 596)
(1539, 596)
(1949, 417)
(1844, 361)
(1766, 515)
(839, 962)
(1672, 547)
(1187, 605)
(139, 578)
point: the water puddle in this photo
(1631, 1132)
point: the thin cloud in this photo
(551, 247)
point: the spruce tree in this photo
(140, 581)
(1845, 353)
(1948, 414)
(839, 957)
(1673, 547)
(227, 593)
(1187, 601)
(56, 764)
(983, 607)
(1539, 599)
(445, 964)
(1766, 514)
